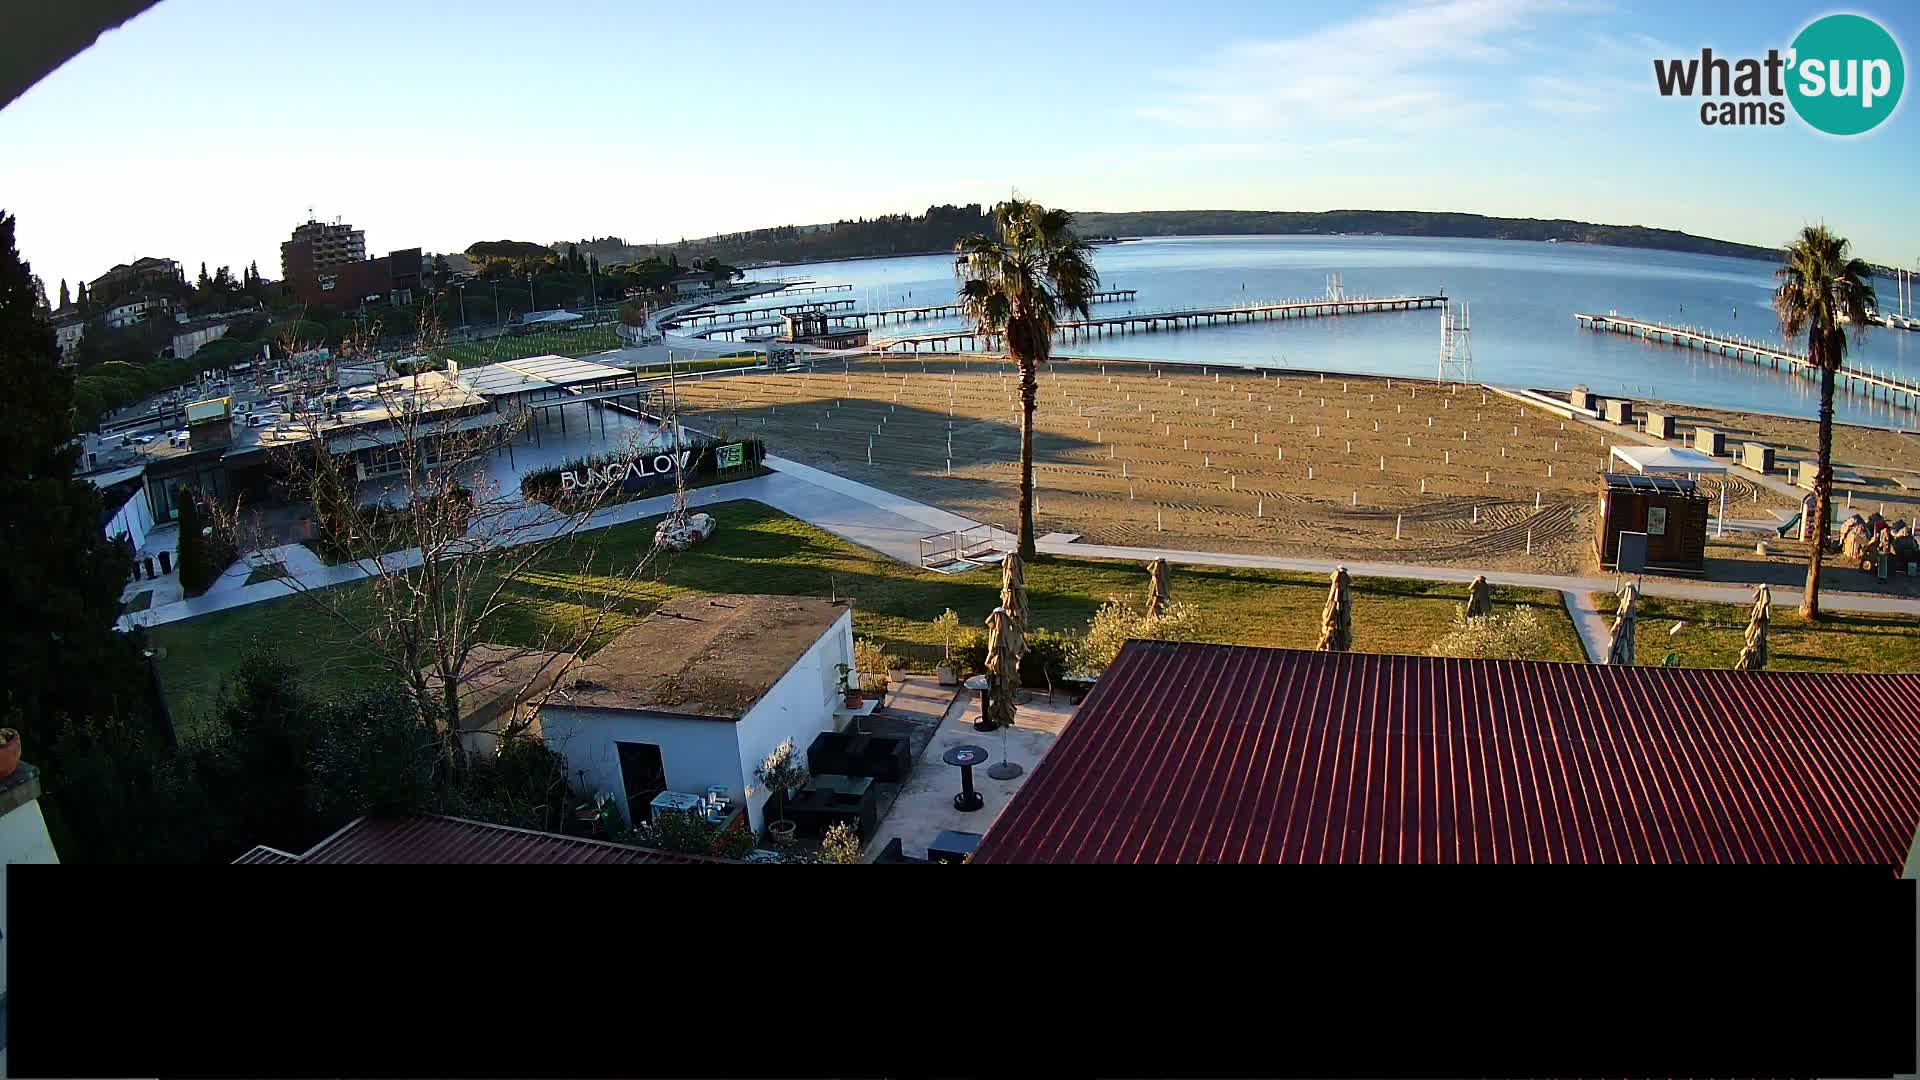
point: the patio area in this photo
(923, 807)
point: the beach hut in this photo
(1657, 492)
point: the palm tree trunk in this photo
(1822, 495)
(1029, 395)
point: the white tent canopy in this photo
(1653, 460)
(1656, 460)
(555, 316)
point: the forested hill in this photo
(1403, 223)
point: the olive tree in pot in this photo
(949, 625)
(782, 774)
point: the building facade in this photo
(137, 308)
(317, 245)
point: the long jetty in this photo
(733, 314)
(859, 318)
(967, 340)
(1894, 388)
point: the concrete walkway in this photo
(874, 519)
(1783, 596)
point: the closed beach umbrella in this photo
(1753, 656)
(1479, 598)
(1006, 642)
(1336, 621)
(1159, 587)
(1013, 591)
(1620, 640)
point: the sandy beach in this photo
(1231, 460)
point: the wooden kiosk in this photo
(1657, 492)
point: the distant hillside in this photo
(507, 249)
(1404, 223)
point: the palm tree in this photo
(1017, 284)
(1823, 287)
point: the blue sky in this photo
(204, 129)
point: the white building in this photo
(188, 339)
(694, 281)
(132, 309)
(67, 333)
(698, 693)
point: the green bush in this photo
(1121, 618)
(1049, 655)
(1513, 634)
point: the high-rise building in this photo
(317, 245)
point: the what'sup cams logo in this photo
(1842, 75)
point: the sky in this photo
(204, 130)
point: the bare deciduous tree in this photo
(446, 553)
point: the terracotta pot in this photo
(853, 699)
(10, 754)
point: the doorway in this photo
(643, 775)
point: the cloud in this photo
(1394, 67)
(1582, 96)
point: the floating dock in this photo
(968, 340)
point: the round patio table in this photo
(966, 757)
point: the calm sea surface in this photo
(1522, 297)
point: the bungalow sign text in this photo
(632, 475)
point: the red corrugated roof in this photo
(425, 839)
(1221, 753)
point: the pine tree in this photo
(66, 300)
(60, 577)
(253, 273)
(204, 279)
(83, 302)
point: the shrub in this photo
(841, 845)
(1513, 634)
(688, 832)
(1122, 618)
(1048, 657)
(970, 651)
(873, 662)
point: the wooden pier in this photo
(1895, 389)
(733, 314)
(969, 340)
(859, 318)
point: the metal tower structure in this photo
(1336, 292)
(1456, 344)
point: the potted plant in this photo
(9, 751)
(782, 774)
(948, 624)
(849, 691)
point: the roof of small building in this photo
(1188, 753)
(423, 839)
(702, 657)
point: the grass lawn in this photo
(1715, 634)
(759, 549)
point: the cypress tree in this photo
(60, 577)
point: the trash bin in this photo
(166, 563)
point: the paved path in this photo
(1783, 596)
(874, 519)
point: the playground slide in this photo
(1790, 527)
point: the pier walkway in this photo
(1894, 388)
(859, 318)
(969, 340)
